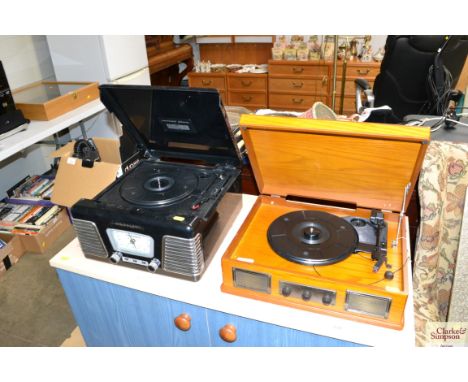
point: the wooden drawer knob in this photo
(206, 82)
(247, 98)
(363, 71)
(246, 82)
(228, 333)
(297, 69)
(297, 84)
(183, 322)
(298, 100)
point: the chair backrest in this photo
(403, 82)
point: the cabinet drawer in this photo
(315, 86)
(207, 81)
(247, 99)
(350, 87)
(361, 71)
(236, 82)
(293, 101)
(297, 69)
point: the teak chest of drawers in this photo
(296, 85)
(289, 85)
(236, 89)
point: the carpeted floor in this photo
(33, 307)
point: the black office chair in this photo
(417, 76)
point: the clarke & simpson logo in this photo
(447, 333)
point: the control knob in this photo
(306, 294)
(116, 257)
(154, 265)
(286, 290)
(327, 299)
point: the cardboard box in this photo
(11, 253)
(45, 238)
(74, 182)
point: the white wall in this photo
(26, 59)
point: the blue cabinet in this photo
(255, 333)
(112, 315)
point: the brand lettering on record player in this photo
(177, 125)
(131, 165)
(126, 225)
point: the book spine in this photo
(48, 215)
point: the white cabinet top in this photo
(207, 293)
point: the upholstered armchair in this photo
(442, 186)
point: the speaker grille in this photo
(89, 238)
(183, 256)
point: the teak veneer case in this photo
(304, 164)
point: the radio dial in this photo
(116, 257)
(154, 265)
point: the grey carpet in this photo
(33, 307)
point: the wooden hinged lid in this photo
(366, 164)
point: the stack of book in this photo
(33, 187)
(25, 219)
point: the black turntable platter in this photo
(154, 185)
(312, 237)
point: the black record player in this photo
(158, 214)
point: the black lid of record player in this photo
(173, 122)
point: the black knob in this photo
(286, 290)
(327, 299)
(388, 275)
(306, 294)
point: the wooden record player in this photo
(328, 234)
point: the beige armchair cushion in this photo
(442, 186)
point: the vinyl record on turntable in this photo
(312, 237)
(152, 186)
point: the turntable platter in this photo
(312, 237)
(153, 186)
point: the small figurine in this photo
(328, 48)
(314, 48)
(353, 53)
(379, 55)
(366, 52)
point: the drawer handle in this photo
(298, 100)
(363, 71)
(298, 84)
(247, 98)
(228, 333)
(246, 83)
(324, 80)
(182, 322)
(206, 82)
(297, 69)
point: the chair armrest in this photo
(363, 85)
